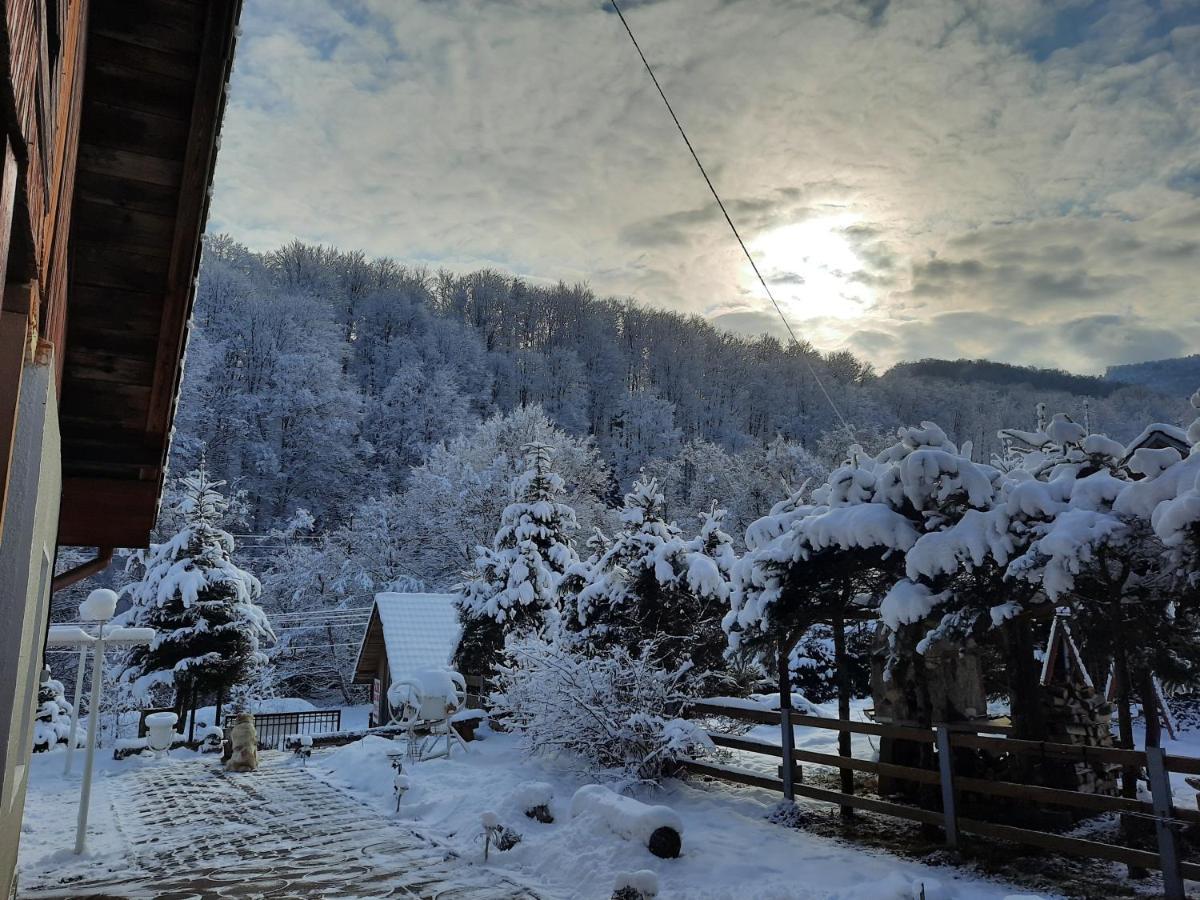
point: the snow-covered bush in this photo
(639, 885)
(614, 714)
(497, 834)
(52, 721)
(533, 798)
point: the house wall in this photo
(41, 71)
(26, 569)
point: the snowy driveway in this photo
(192, 831)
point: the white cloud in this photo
(1024, 165)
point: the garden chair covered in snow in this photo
(425, 701)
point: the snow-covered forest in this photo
(370, 417)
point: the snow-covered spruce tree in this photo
(516, 581)
(652, 584)
(814, 662)
(200, 603)
(1169, 496)
(817, 565)
(52, 721)
(1069, 527)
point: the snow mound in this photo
(625, 816)
(644, 881)
(533, 793)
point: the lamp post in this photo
(99, 606)
(83, 650)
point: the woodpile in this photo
(1078, 714)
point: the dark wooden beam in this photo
(106, 512)
(208, 106)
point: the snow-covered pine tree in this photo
(654, 585)
(200, 603)
(517, 579)
(52, 721)
(814, 663)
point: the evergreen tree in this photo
(52, 721)
(517, 579)
(200, 603)
(653, 585)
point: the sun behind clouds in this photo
(813, 268)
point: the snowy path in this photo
(191, 830)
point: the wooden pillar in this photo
(787, 737)
(842, 663)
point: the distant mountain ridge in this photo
(1175, 377)
(972, 371)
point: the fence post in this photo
(787, 738)
(946, 776)
(1164, 811)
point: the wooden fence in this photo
(1161, 810)
(272, 728)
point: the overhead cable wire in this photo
(729, 219)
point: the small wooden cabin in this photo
(405, 634)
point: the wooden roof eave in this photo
(366, 663)
(113, 473)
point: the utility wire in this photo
(732, 227)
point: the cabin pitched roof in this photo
(415, 631)
(1159, 436)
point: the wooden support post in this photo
(786, 737)
(842, 662)
(1168, 847)
(946, 771)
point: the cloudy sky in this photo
(1011, 179)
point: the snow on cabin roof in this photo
(420, 631)
(1159, 436)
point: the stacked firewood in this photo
(1078, 714)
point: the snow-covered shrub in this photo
(533, 798)
(639, 885)
(52, 722)
(614, 713)
(496, 834)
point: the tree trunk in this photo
(1150, 711)
(787, 735)
(842, 664)
(1025, 700)
(220, 702)
(1129, 774)
(192, 713)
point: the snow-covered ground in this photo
(52, 804)
(730, 850)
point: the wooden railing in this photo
(272, 728)
(1160, 810)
